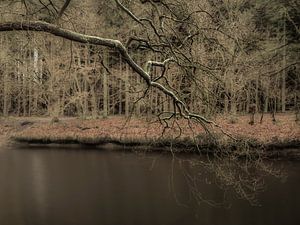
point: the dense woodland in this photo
(186, 70)
(217, 56)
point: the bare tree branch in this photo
(39, 26)
(128, 12)
(63, 9)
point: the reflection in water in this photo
(39, 184)
(242, 177)
(107, 187)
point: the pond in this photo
(41, 186)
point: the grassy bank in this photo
(280, 139)
(287, 149)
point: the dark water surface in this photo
(70, 187)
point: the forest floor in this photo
(285, 132)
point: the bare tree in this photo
(184, 59)
(175, 52)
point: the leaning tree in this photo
(191, 40)
(169, 30)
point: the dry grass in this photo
(143, 131)
(285, 128)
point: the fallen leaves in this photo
(118, 128)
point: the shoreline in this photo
(139, 135)
(288, 149)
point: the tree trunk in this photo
(256, 95)
(127, 91)
(5, 93)
(226, 101)
(248, 100)
(283, 84)
(105, 87)
(37, 77)
(266, 100)
(94, 102)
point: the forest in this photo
(200, 66)
(216, 56)
(199, 99)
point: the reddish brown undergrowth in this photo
(143, 130)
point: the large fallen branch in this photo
(40, 26)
